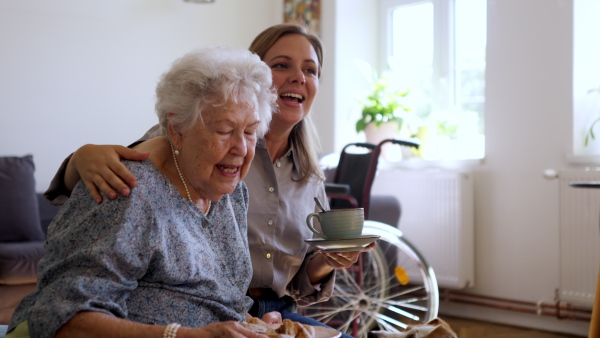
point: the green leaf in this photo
(590, 133)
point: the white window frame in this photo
(586, 76)
(445, 88)
(443, 58)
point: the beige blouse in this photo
(277, 227)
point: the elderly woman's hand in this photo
(273, 319)
(221, 329)
(100, 168)
(339, 260)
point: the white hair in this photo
(211, 77)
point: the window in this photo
(586, 82)
(436, 49)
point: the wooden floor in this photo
(466, 328)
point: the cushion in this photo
(19, 216)
(19, 262)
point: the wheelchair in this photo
(390, 287)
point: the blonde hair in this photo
(303, 138)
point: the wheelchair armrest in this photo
(340, 191)
(348, 198)
(337, 189)
(385, 209)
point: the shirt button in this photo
(271, 189)
(278, 164)
(268, 255)
(270, 222)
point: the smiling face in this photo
(215, 155)
(294, 65)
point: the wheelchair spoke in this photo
(408, 303)
(385, 319)
(390, 288)
(403, 313)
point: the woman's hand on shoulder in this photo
(100, 169)
(221, 329)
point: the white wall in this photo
(77, 71)
(356, 38)
(324, 106)
(528, 129)
(81, 71)
(528, 123)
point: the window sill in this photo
(591, 162)
(417, 163)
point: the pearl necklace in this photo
(173, 151)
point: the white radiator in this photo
(437, 217)
(579, 237)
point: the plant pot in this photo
(384, 131)
(387, 130)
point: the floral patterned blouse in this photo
(152, 257)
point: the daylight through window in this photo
(436, 50)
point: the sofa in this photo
(24, 220)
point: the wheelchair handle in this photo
(400, 142)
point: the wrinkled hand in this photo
(100, 168)
(339, 260)
(220, 329)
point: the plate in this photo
(341, 245)
(326, 332)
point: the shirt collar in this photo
(262, 144)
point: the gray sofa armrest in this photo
(385, 209)
(47, 212)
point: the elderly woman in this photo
(282, 181)
(173, 257)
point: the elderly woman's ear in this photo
(175, 137)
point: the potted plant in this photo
(382, 111)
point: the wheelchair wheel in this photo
(388, 289)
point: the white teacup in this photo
(339, 223)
